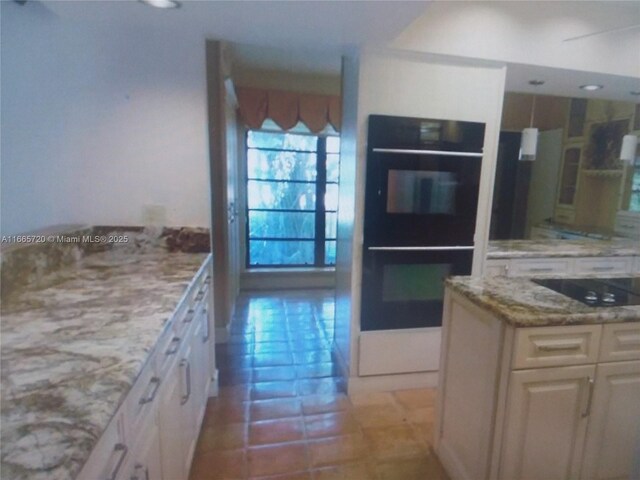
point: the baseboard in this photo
(279, 279)
(384, 383)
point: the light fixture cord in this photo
(533, 109)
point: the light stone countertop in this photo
(72, 347)
(522, 303)
(506, 249)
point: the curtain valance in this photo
(286, 109)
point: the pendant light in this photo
(529, 141)
(628, 150)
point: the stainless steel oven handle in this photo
(444, 153)
(419, 249)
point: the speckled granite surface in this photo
(522, 303)
(503, 249)
(72, 345)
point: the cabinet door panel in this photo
(614, 425)
(545, 426)
(171, 427)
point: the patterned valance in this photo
(286, 109)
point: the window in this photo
(292, 199)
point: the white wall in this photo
(347, 284)
(97, 123)
(393, 83)
(531, 32)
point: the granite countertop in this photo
(505, 249)
(522, 303)
(72, 347)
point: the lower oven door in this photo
(404, 288)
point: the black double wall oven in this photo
(421, 200)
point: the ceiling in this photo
(310, 36)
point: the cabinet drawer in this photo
(109, 455)
(620, 341)
(556, 346)
(494, 268)
(540, 266)
(604, 265)
(141, 399)
(628, 226)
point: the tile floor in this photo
(282, 412)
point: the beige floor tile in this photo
(277, 459)
(316, 404)
(425, 432)
(227, 436)
(347, 471)
(286, 476)
(276, 431)
(373, 398)
(219, 465)
(378, 415)
(277, 408)
(335, 450)
(330, 424)
(420, 415)
(393, 442)
(426, 467)
(416, 398)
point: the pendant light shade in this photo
(628, 150)
(529, 140)
(528, 144)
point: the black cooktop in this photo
(596, 292)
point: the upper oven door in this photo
(421, 199)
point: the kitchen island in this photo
(536, 385)
(74, 342)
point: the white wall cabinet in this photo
(553, 403)
(153, 434)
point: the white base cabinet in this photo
(546, 419)
(153, 434)
(538, 403)
(545, 266)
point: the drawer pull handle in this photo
(559, 347)
(137, 467)
(189, 317)
(627, 225)
(156, 384)
(175, 341)
(122, 449)
(541, 269)
(603, 269)
(185, 363)
(629, 340)
(205, 338)
(199, 296)
(590, 385)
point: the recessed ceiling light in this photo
(591, 88)
(162, 3)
